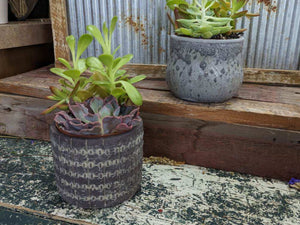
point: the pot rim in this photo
(93, 136)
(208, 41)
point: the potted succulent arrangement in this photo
(206, 61)
(97, 138)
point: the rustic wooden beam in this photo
(271, 76)
(25, 33)
(256, 105)
(255, 150)
(58, 14)
(251, 75)
(237, 111)
(19, 60)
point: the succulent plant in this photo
(97, 117)
(107, 79)
(72, 84)
(208, 17)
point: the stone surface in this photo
(205, 70)
(169, 194)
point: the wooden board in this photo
(256, 105)
(21, 116)
(19, 60)
(251, 75)
(255, 150)
(258, 151)
(58, 14)
(25, 33)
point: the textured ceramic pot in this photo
(3, 11)
(205, 70)
(98, 172)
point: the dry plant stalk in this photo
(22, 8)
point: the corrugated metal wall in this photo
(272, 40)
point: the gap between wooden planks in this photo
(256, 105)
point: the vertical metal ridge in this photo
(271, 41)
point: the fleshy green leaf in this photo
(71, 43)
(238, 4)
(124, 60)
(117, 92)
(132, 92)
(58, 93)
(137, 79)
(115, 51)
(84, 41)
(97, 34)
(107, 60)
(120, 73)
(94, 63)
(60, 72)
(75, 74)
(82, 65)
(65, 63)
(172, 4)
(105, 32)
(113, 24)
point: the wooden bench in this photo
(257, 132)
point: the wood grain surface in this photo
(256, 105)
(25, 33)
(58, 14)
(259, 151)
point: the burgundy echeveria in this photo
(96, 117)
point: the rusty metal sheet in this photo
(272, 40)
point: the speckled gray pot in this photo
(205, 70)
(98, 172)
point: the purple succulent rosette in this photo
(294, 183)
(97, 117)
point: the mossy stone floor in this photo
(169, 195)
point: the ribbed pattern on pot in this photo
(100, 172)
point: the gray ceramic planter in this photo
(98, 172)
(205, 70)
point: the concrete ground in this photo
(169, 194)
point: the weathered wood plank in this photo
(255, 92)
(272, 76)
(255, 150)
(36, 83)
(257, 105)
(19, 60)
(251, 75)
(26, 83)
(255, 113)
(21, 116)
(26, 33)
(58, 14)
